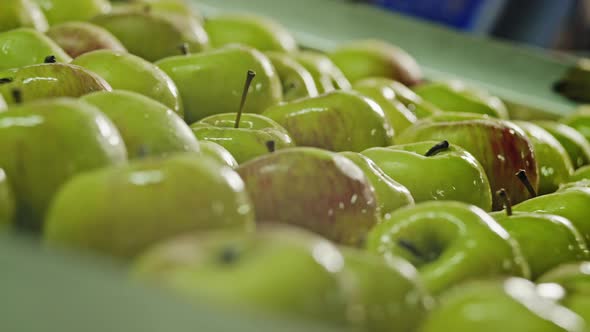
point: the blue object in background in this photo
(534, 22)
(461, 14)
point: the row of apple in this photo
(97, 154)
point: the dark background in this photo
(557, 24)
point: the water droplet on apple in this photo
(547, 171)
(244, 209)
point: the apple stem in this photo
(5, 80)
(438, 147)
(271, 146)
(522, 176)
(410, 247)
(559, 86)
(17, 95)
(50, 59)
(288, 88)
(142, 151)
(505, 201)
(229, 255)
(185, 49)
(249, 77)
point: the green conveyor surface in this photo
(49, 291)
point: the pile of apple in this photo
(222, 162)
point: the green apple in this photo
(574, 83)
(21, 13)
(582, 173)
(148, 128)
(500, 147)
(387, 293)
(578, 303)
(219, 153)
(337, 121)
(58, 11)
(573, 277)
(7, 203)
(77, 38)
(263, 272)
(315, 189)
(542, 148)
(449, 242)
(296, 81)
(455, 96)
(546, 240)
(555, 166)
(3, 105)
(121, 211)
(455, 116)
(585, 183)
(416, 104)
(23, 47)
(571, 204)
(45, 143)
(248, 140)
(362, 59)
(326, 75)
(575, 144)
(170, 7)
(212, 82)
(224, 267)
(570, 284)
(390, 194)
(166, 31)
(510, 305)
(580, 121)
(435, 171)
(245, 136)
(252, 30)
(125, 71)
(48, 81)
(383, 94)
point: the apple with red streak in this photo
(501, 148)
(316, 189)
